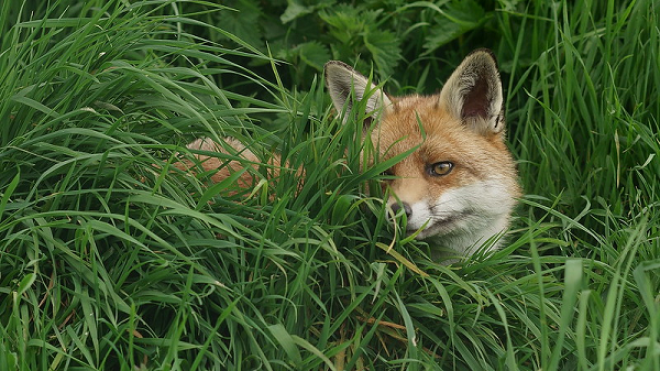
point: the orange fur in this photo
(219, 168)
(441, 137)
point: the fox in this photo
(459, 185)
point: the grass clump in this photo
(110, 259)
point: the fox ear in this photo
(341, 79)
(473, 93)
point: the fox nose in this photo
(406, 208)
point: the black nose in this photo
(397, 206)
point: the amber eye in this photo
(440, 168)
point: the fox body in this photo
(459, 185)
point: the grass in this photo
(109, 262)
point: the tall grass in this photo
(112, 259)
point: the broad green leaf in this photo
(314, 54)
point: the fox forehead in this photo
(421, 121)
(409, 119)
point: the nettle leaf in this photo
(295, 10)
(385, 50)
(314, 54)
(467, 13)
(459, 18)
(345, 22)
(442, 34)
(370, 17)
(280, 49)
(348, 23)
(242, 22)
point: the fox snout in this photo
(396, 206)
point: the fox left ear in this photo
(342, 80)
(473, 93)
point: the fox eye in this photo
(388, 172)
(440, 168)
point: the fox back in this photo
(459, 185)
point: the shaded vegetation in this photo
(109, 259)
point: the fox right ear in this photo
(341, 79)
(473, 93)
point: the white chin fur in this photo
(464, 217)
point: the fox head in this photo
(459, 184)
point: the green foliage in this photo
(110, 258)
(365, 34)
